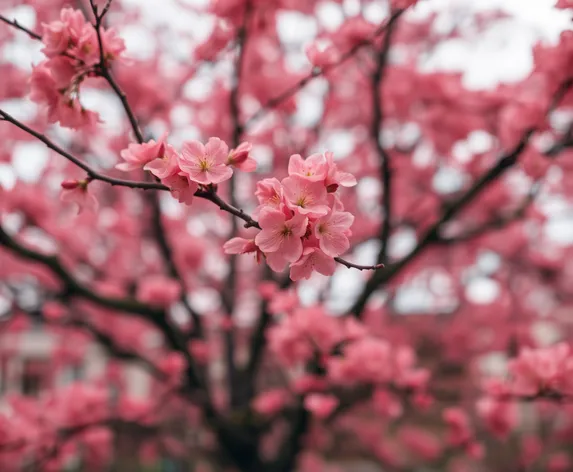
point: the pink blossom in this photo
(76, 192)
(113, 45)
(542, 370)
(60, 34)
(173, 365)
(219, 38)
(267, 290)
(322, 56)
(270, 402)
(164, 166)
(313, 168)
(65, 75)
(403, 4)
(158, 290)
(533, 163)
(423, 443)
(302, 333)
(137, 156)
(307, 383)
(332, 232)
(182, 187)
(269, 193)
(312, 259)
(459, 431)
(241, 159)
(205, 164)
(355, 30)
(43, 86)
(366, 360)
(242, 246)
(305, 196)
(200, 351)
(54, 311)
(500, 416)
(281, 236)
(320, 405)
(73, 34)
(336, 178)
(55, 37)
(559, 462)
(386, 404)
(61, 106)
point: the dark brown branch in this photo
(15, 24)
(292, 445)
(432, 235)
(75, 287)
(229, 294)
(158, 228)
(377, 120)
(33, 35)
(496, 223)
(167, 253)
(92, 174)
(103, 70)
(318, 72)
(351, 265)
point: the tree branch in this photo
(103, 70)
(15, 24)
(318, 72)
(496, 223)
(229, 294)
(432, 234)
(378, 118)
(167, 253)
(92, 174)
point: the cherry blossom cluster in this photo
(33, 427)
(71, 46)
(330, 48)
(546, 371)
(302, 220)
(349, 355)
(197, 165)
(543, 373)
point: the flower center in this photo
(286, 231)
(204, 165)
(302, 201)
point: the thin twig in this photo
(15, 24)
(92, 174)
(375, 130)
(320, 71)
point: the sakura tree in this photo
(249, 220)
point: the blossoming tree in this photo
(255, 260)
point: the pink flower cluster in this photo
(303, 222)
(349, 353)
(77, 192)
(196, 165)
(460, 433)
(73, 54)
(536, 373)
(543, 371)
(375, 361)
